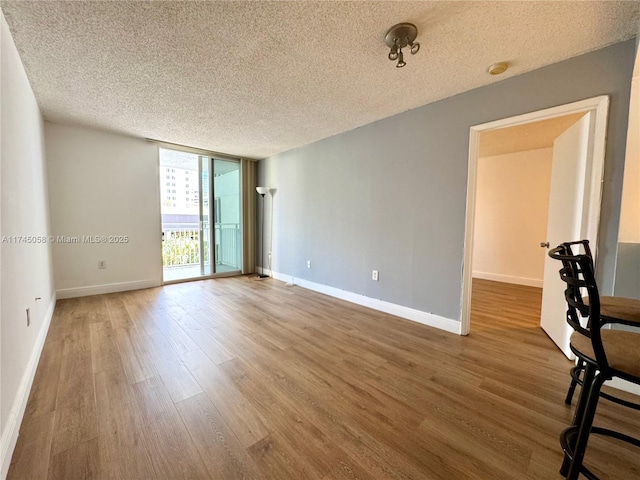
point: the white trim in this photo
(198, 151)
(159, 211)
(587, 105)
(599, 105)
(233, 273)
(497, 277)
(598, 152)
(106, 288)
(426, 318)
(12, 426)
(621, 384)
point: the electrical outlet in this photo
(374, 275)
(102, 264)
(28, 317)
(308, 263)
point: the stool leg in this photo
(580, 446)
(587, 379)
(564, 468)
(572, 387)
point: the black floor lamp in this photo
(262, 191)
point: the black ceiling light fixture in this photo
(398, 37)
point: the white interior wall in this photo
(25, 262)
(628, 261)
(512, 203)
(630, 207)
(103, 184)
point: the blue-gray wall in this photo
(628, 271)
(391, 195)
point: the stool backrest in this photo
(578, 273)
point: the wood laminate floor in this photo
(239, 378)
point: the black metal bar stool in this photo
(606, 354)
(616, 310)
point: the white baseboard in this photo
(106, 288)
(621, 384)
(496, 277)
(12, 426)
(446, 324)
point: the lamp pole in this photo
(262, 191)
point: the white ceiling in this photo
(257, 78)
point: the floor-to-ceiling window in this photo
(200, 206)
(226, 215)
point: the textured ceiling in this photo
(530, 136)
(257, 78)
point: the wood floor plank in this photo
(59, 320)
(502, 454)
(275, 457)
(150, 398)
(141, 319)
(30, 459)
(310, 399)
(136, 366)
(75, 415)
(343, 471)
(219, 448)
(242, 418)
(544, 464)
(104, 353)
(201, 336)
(176, 377)
(172, 450)
(80, 462)
(316, 451)
(42, 398)
(96, 307)
(74, 424)
(175, 335)
(240, 378)
(118, 314)
(123, 448)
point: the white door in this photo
(571, 178)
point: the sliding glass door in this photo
(228, 238)
(200, 207)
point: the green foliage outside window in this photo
(180, 248)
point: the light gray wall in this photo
(628, 271)
(391, 195)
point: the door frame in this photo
(202, 159)
(600, 106)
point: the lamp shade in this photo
(262, 190)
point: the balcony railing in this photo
(180, 244)
(227, 238)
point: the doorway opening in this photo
(200, 206)
(521, 169)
